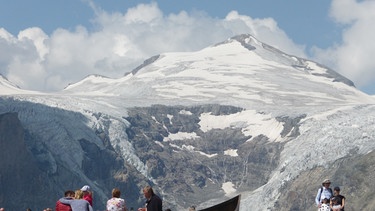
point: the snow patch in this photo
(231, 152)
(180, 136)
(170, 118)
(188, 147)
(207, 155)
(250, 122)
(185, 112)
(228, 188)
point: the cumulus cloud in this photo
(120, 42)
(353, 57)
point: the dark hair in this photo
(69, 193)
(337, 189)
(192, 208)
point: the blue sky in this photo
(70, 39)
(299, 19)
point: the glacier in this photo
(314, 114)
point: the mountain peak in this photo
(9, 88)
(251, 43)
(247, 40)
(241, 69)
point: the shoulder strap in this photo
(320, 193)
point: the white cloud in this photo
(37, 36)
(267, 31)
(353, 57)
(120, 42)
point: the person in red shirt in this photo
(65, 207)
(87, 194)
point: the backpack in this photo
(321, 190)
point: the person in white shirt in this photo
(324, 192)
(116, 203)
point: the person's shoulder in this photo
(117, 199)
(81, 201)
(85, 202)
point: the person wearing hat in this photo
(339, 198)
(78, 203)
(325, 192)
(87, 194)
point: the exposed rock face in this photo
(31, 177)
(353, 174)
(254, 121)
(21, 179)
(187, 176)
(187, 170)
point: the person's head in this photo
(336, 190)
(116, 193)
(192, 208)
(168, 210)
(86, 189)
(69, 193)
(326, 183)
(48, 209)
(78, 194)
(2, 209)
(325, 201)
(148, 192)
(28, 209)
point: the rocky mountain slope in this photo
(238, 117)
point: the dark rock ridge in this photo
(34, 174)
(38, 141)
(191, 176)
(286, 125)
(183, 176)
(20, 174)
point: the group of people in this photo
(81, 200)
(328, 200)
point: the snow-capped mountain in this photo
(241, 68)
(238, 117)
(9, 88)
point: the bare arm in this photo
(342, 203)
